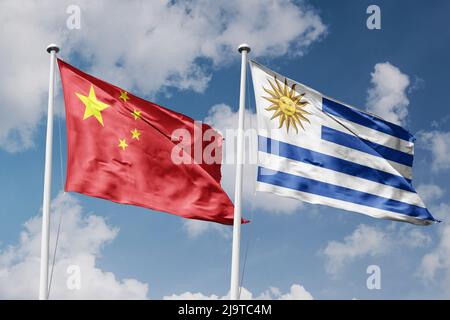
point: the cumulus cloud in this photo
(191, 296)
(387, 95)
(195, 228)
(296, 292)
(438, 143)
(368, 241)
(365, 240)
(435, 265)
(430, 192)
(142, 46)
(25, 30)
(81, 241)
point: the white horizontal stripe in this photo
(372, 161)
(342, 152)
(316, 199)
(310, 171)
(370, 134)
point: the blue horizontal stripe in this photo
(365, 119)
(375, 149)
(303, 184)
(297, 153)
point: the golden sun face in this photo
(288, 106)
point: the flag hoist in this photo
(53, 49)
(244, 49)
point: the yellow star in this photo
(123, 144)
(93, 106)
(124, 96)
(135, 134)
(136, 114)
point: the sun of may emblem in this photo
(286, 105)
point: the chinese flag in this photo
(128, 150)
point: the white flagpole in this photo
(43, 280)
(244, 49)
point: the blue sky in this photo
(282, 248)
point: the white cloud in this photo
(191, 296)
(194, 228)
(438, 143)
(443, 209)
(296, 292)
(387, 96)
(144, 46)
(367, 241)
(25, 31)
(429, 192)
(81, 241)
(245, 295)
(435, 265)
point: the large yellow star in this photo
(93, 106)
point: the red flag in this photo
(128, 150)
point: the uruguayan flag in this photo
(318, 150)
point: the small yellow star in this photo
(123, 144)
(136, 114)
(135, 134)
(124, 96)
(93, 107)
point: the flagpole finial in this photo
(52, 47)
(244, 47)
